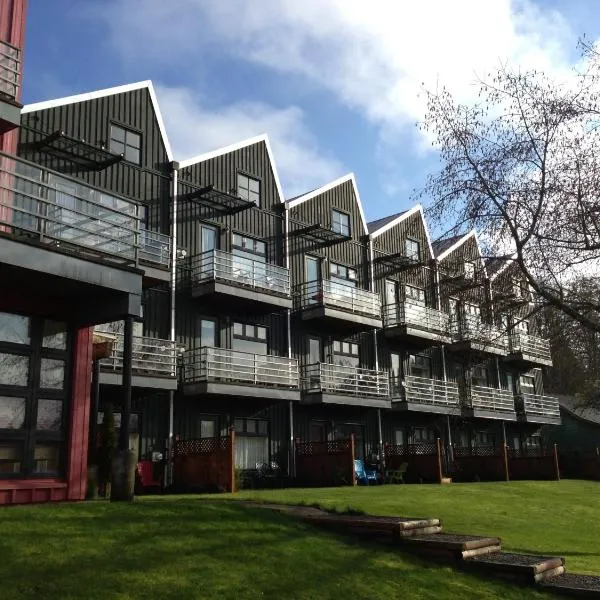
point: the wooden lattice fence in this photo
(424, 460)
(324, 464)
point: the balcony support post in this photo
(380, 434)
(127, 370)
(449, 429)
(94, 408)
(291, 454)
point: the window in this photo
(346, 354)
(340, 222)
(414, 294)
(251, 443)
(470, 270)
(343, 431)
(249, 260)
(248, 188)
(126, 142)
(208, 333)
(343, 273)
(248, 245)
(250, 338)
(318, 431)
(412, 249)
(527, 384)
(315, 350)
(485, 439)
(33, 388)
(422, 434)
(480, 376)
(419, 365)
(399, 437)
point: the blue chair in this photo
(364, 476)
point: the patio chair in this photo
(363, 475)
(396, 475)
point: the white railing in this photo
(495, 399)
(150, 356)
(351, 381)
(57, 209)
(531, 404)
(337, 295)
(423, 390)
(231, 366)
(472, 328)
(155, 247)
(239, 270)
(415, 315)
(530, 345)
(10, 70)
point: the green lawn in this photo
(188, 548)
(545, 517)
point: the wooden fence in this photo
(581, 464)
(205, 464)
(424, 460)
(322, 464)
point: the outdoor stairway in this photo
(477, 554)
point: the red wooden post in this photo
(232, 460)
(556, 462)
(506, 472)
(352, 455)
(439, 459)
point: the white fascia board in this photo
(480, 253)
(238, 146)
(113, 91)
(509, 261)
(330, 186)
(456, 245)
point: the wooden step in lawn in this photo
(451, 546)
(375, 526)
(523, 568)
(573, 585)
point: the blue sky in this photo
(335, 83)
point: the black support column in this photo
(126, 405)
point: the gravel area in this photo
(510, 558)
(589, 583)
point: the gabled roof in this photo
(445, 247)
(376, 228)
(580, 409)
(496, 265)
(310, 195)
(237, 146)
(440, 246)
(113, 91)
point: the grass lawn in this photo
(188, 548)
(559, 518)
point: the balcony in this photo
(10, 81)
(538, 409)
(415, 323)
(224, 278)
(153, 363)
(338, 305)
(527, 350)
(422, 394)
(324, 383)
(42, 207)
(470, 334)
(220, 371)
(490, 403)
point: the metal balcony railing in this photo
(36, 201)
(423, 390)
(239, 270)
(150, 356)
(530, 345)
(415, 315)
(339, 296)
(532, 404)
(495, 399)
(471, 328)
(231, 366)
(10, 70)
(350, 381)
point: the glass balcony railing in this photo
(494, 399)
(238, 270)
(530, 345)
(346, 380)
(539, 406)
(472, 329)
(416, 315)
(10, 70)
(54, 209)
(231, 366)
(150, 356)
(424, 390)
(339, 296)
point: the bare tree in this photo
(522, 165)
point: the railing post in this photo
(557, 470)
(439, 459)
(255, 369)
(352, 455)
(506, 472)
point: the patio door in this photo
(208, 241)
(312, 290)
(395, 374)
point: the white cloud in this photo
(193, 129)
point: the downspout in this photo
(376, 352)
(175, 166)
(286, 233)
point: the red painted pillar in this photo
(79, 417)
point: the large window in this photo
(343, 274)
(248, 188)
(208, 333)
(346, 354)
(340, 222)
(470, 270)
(412, 249)
(251, 443)
(414, 294)
(249, 259)
(33, 393)
(250, 338)
(419, 365)
(126, 142)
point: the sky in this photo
(336, 84)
